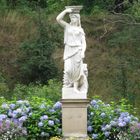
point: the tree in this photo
(37, 63)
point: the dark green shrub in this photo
(50, 91)
(36, 63)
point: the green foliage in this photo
(125, 35)
(51, 6)
(126, 38)
(51, 91)
(106, 5)
(2, 79)
(37, 63)
(2, 100)
(12, 4)
(124, 106)
(32, 123)
(97, 11)
(135, 10)
(54, 5)
(3, 4)
(89, 5)
(4, 90)
(115, 58)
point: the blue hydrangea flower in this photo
(96, 106)
(12, 106)
(19, 110)
(43, 134)
(113, 123)
(103, 128)
(23, 113)
(103, 115)
(22, 119)
(118, 110)
(10, 113)
(51, 123)
(44, 117)
(51, 110)
(135, 119)
(30, 114)
(107, 105)
(14, 115)
(40, 124)
(127, 119)
(24, 132)
(16, 121)
(59, 130)
(5, 106)
(15, 112)
(57, 105)
(122, 124)
(107, 127)
(106, 134)
(91, 114)
(93, 102)
(26, 102)
(20, 102)
(94, 136)
(124, 114)
(89, 129)
(1, 123)
(2, 117)
(57, 120)
(7, 122)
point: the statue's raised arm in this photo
(60, 17)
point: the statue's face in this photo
(74, 18)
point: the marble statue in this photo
(75, 71)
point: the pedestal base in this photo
(74, 118)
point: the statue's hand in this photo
(69, 10)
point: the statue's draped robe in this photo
(73, 62)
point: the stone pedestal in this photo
(74, 118)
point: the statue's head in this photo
(75, 19)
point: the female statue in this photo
(74, 52)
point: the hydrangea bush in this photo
(40, 118)
(107, 121)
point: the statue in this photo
(75, 71)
